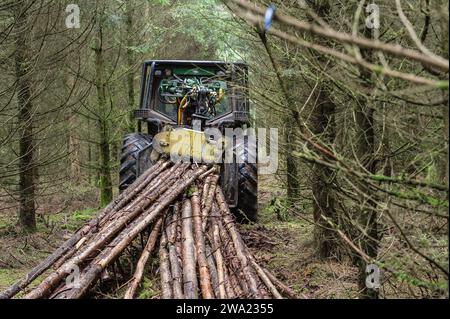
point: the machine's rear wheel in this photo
(247, 206)
(133, 145)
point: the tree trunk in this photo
(292, 177)
(27, 165)
(444, 26)
(104, 145)
(130, 64)
(445, 114)
(73, 146)
(365, 140)
(189, 260)
(293, 185)
(323, 125)
(324, 128)
(365, 152)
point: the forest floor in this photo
(284, 247)
(287, 249)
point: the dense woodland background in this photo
(363, 172)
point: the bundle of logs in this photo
(191, 229)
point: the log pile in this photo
(191, 229)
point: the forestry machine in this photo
(185, 99)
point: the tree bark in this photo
(205, 278)
(292, 170)
(106, 234)
(149, 247)
(324, 128)
(189, 260)
(292, 176)
(444, 26)
(175, 265)
(365, 152)
(219, 262)
(105, 182)
(165, 273)
(27, 165)
(130, 64)
(239, 246)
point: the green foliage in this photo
(83, 215)
(421, 197)
(377, 68)
(4, 223)
(161, 2)
(190, 190)
(76, 219)
(443, 85)
(147, 290)
(142, 48)
(210, 24)
(440, 285)
(9, 276)
(279, 208)
(105, 195)
(432, 172)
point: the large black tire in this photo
(247, 207)
(132, 145)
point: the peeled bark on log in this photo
(148, 249)
(205, 278)
(205, 190)
(177, 273)
(156, 187)
(107, 256)
(149, 176)
(199, 188)
(230, 293)
(238, 244)
(179, 234)
(220, 247)
(63, 252)
(208, 172)
(121, 242)
(189, 260)
(164, 269)
(231, 258)
(53, 279)
(219, 261)
(212, 269)
(201, 251)
(171, 225)
(285, 289)
(209, 200)
(235, 285)
(265, 279)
